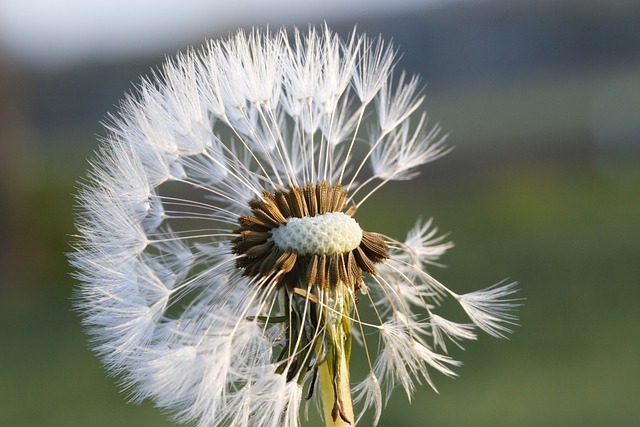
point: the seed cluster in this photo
(259, 256)
(327, 234)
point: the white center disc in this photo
(326, 234)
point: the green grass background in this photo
(527, 194)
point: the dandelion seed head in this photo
(224, 274)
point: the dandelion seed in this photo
(224, 272)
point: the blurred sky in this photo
(56, 32)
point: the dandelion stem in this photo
(336, 393)
(335, 387)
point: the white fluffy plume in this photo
(168, 308)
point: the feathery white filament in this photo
(325, 234)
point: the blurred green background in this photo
(542, 102)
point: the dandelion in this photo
(224, 274)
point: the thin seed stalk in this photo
(333, 373)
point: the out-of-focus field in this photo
(543, 187)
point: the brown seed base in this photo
(258, 256)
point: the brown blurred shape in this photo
(16, 162)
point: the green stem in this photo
(334, 373)
(336, 394)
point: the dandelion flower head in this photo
(224, 273)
